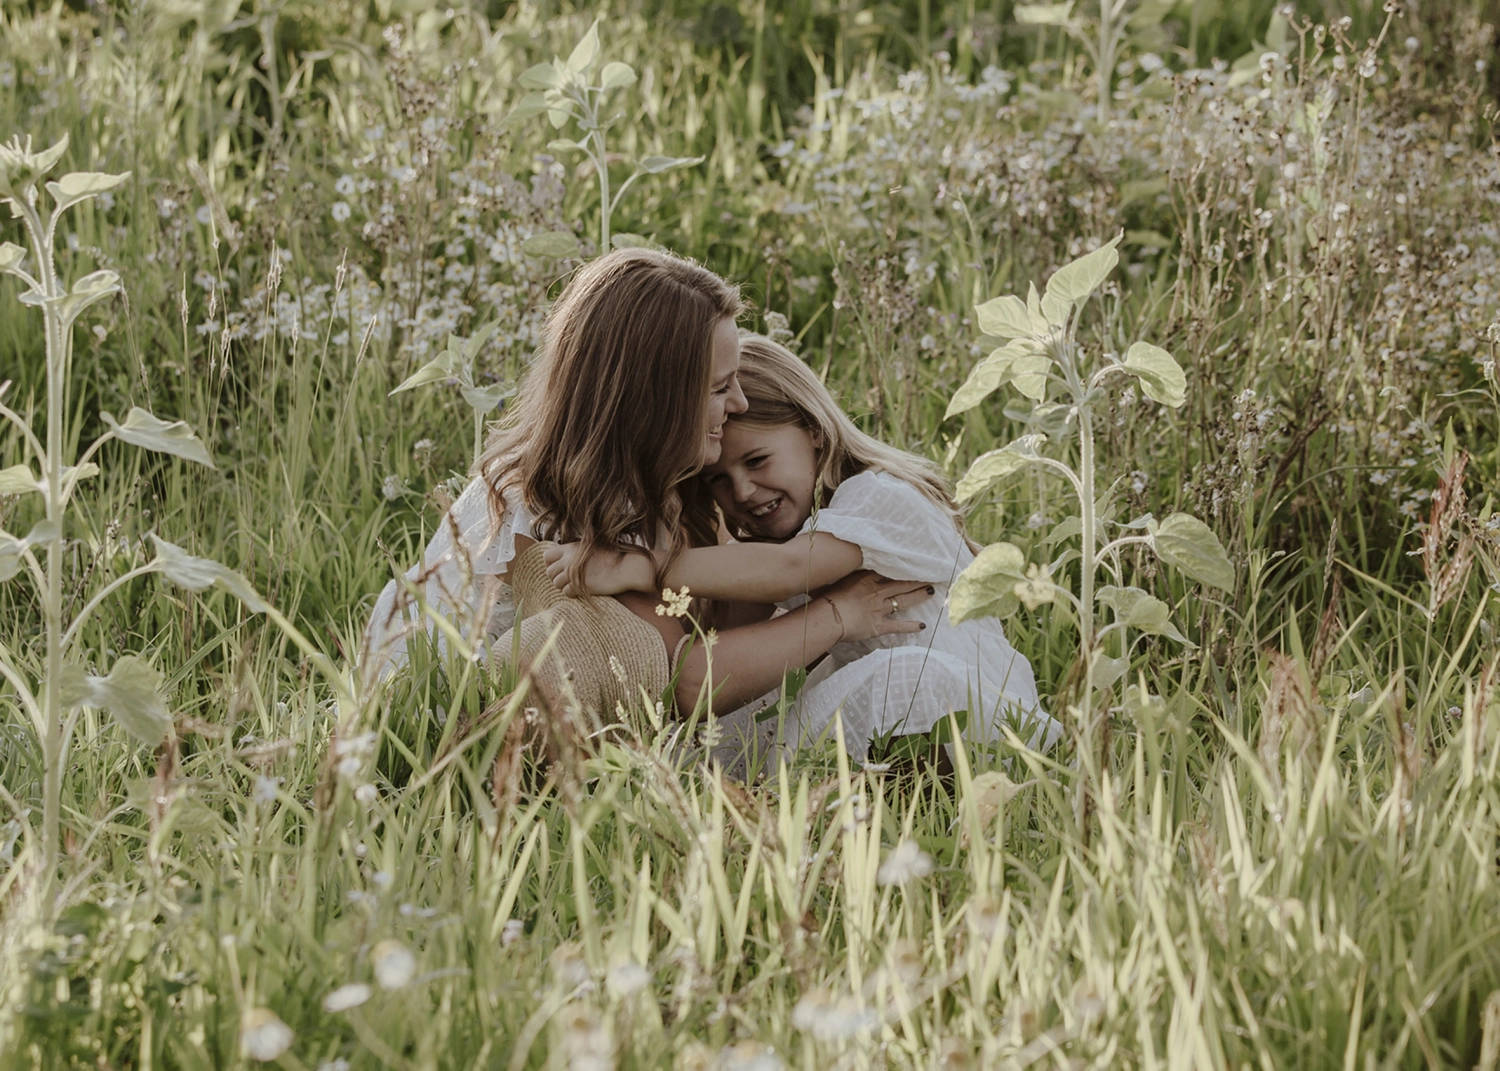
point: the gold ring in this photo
(895, 606)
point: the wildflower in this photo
(265, 789)
(1037, 589)
(568, 966)
(674, 603)
(829, 1019)
(367, 794)
(629, 977)
(263, 1036)
(1367, 66)
(395, 964)
(585, 1039)
(906, 863)
(344, 185)
(512, 932)
(100, 333)
(203, 215)
(341, 211)
(346, 996)
(393, 487)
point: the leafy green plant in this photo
(1064, 380)
(1103, 36)
(566, 92)
(53, 685)
(456, 365)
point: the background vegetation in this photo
(1290, 856)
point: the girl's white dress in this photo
(902, 682)
(460, 577)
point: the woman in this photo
(626, 401)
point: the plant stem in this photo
(601, 163)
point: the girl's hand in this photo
(866, 602)
(605, 573)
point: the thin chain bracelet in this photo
(838, 617)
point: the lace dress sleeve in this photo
(902, 533)
(461, 576)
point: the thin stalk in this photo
(601, 164)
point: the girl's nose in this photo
(744, 487)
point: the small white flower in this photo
(263, 1036)
(395, 964)
(382, 879)
(629, 977)
(829, 1019)
(393, 487)
(341, 211)
(367, 794)
(100, 333)
(347, 996)
(203, 215)
(344, 185)
(265, 789)
(512, 932)
(906, 863)
(337, 1064)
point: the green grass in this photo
(1291, 859)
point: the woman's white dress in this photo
(459, 576)
(903, 682)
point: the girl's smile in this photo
(765, 478)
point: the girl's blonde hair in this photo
(782, 391)
(611, 416)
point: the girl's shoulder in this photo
(876, 492)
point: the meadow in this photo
(1270, 836)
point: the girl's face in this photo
(724, 395)
(765, 478)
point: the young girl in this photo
(886, 511)
(624, 404)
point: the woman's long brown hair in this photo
(610, 417)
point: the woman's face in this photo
(724, 395)
(765, 478)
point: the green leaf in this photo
(12, 548)
(1131, 192)
(476, 341)
(132, 694)
(987, 468)
(1141, 610)
(11, 256)
(1162, 378)
(1107, 670)
(1044, 14)
(90, 290)
(563, 145)
(1004, 317)
(436, 370)
(655, 165)
(1029, 373)
(165, 437)
(559, 114)
(551, 244)
(533, 104)
(1072, 284)
(586, 51)
(81, 185)
(988, 376)
(987, 587)
(484, 399)
(1186, 543)
(616, 75)
(199, 574)
(18, 480)
(542, 76)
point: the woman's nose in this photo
(735, 402)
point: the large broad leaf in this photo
(1161, 377)
(132, 694)
(484, 399)
(551, 244)
(1072, 284)
(1141, 610)
(616, 75)
(1044, 14)
(199, 574)
(532, 104)
(166, 437)
(1029, 373)
(655, 165)
(12, 548)
(18, 480)
(586, 51)
(987, 588)
(542, 76)
(987, 468)
(90, 290)
(11, 257)
(81, 185)
(1004, 317)
(444, 366)
(1184, 542)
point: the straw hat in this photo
(586, 655)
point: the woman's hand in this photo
(607, 572)
(865, 603)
